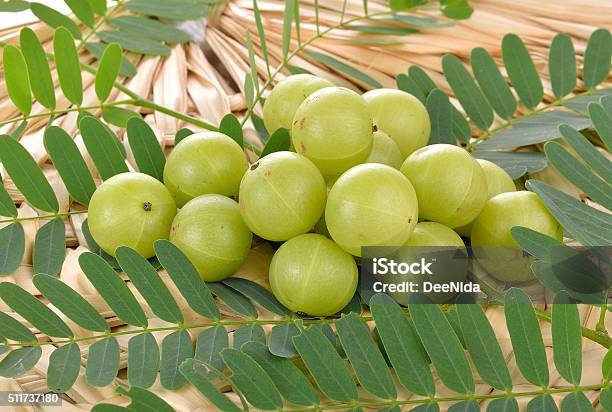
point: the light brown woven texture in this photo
(205, 80)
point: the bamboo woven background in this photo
(204, 78)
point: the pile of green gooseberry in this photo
(360, 173)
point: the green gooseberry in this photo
(333, 128)
(494, 247)
(204, 163)
(498, 181)
(311, 274)
(130, 209)
(402, 116)
(282, 195)
(450, 184)
(371, 205)
(286, 97)
(211, 233)
(385, 151)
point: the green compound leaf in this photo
(526, 337)
(12, 248)
(143, 360)
(467, 92)
(567, 338)
(440, 112)
(14, 330)
(252, 380)
(602, 121)
(82, 10)
(249, 333)
(407, 84)
(38, 68)
(175, 349)
(112, 289)
(70, 303)
(288, 379)
(576, 402)
(402, 345)
(55, 19)
(593, 157)
(522, 71)
(102, 362)
(20, 361)
(34, 311)
(209, 345)
(126, 68)
(103, 148)
(175, 10)
(150, 285)
(492, 83)
(280, 341)
(108, 70)
(68, 65)
(64, 367)
(129, 42)
(50, 247)
(344, 68)
(325, 365)
(147, 151)
(197, 372)
(503, 405)
(234, 301)
(26, 175)
(544, 403)
(366, 360)
(70, 164)
(483, 346)
(562, 65)
(16, 79)
(597, 58)
(278, 142)
(257, 294)
(443, 347)
(186, 278)
(230, 126)
(149, 28)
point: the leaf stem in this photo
(601, 324)
(43, 217)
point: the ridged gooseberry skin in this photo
(282, 195)
(492, 240)
(211, 233)
(333, 128)
(312, 275)
(450, 185)
(402, 116)
(286, 97)
(385, 151)
(204, 163)
(130, 209)
(371, 205)
(434, 234)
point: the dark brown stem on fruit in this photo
(374, 128)
(147, 206)
(254, 166)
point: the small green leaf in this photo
(465, 406)
(440, 112)
(34, 311)
(288, 379)
(522, 71)
(55, 19)
(248, 333)
(12, 248)
(136, 44)
(367, 361)
(576, 402)
(516, 164)
(20, 361)
(418, 21)
(562, 65)
(126, 68)
(64, 367)
(50, 247)
(422, 79)
(252, 61)
(95, 248)
(14, 330)
(234, 301)
(260, 128)
(82, 10)
(426, 407)
(597, 58)
(230, 126)
(287, 26)
(16, 79)
(181, 134)
(391, 30)
(492, 83)
(325, 365)
(197, 373)
(252, 380)
(148, 282)
(279, 141)
(68, 65)
(258, 294)
(144, 400)
(143, 360)
(7, 207)
(108, 70)
(503, 405)
(186, 278)
(280, 341)
(602, 122)
(98, 6)
(112, 289)
(249, 91)
(176, 348)
(597, 161)
(262, 35)
(344, 68)
(526, 337)
(606, 365)
(467, 92)
(209, 345)
(543, 403)
(13, 6)
(102, 146)
(567, 338)
(147, 151)
(102, 362)
(38, 68)
(456, 9)
(149, 28)
(408, 85)
(118, 116)
(461, 128)
(18, 131)
(175, 10)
